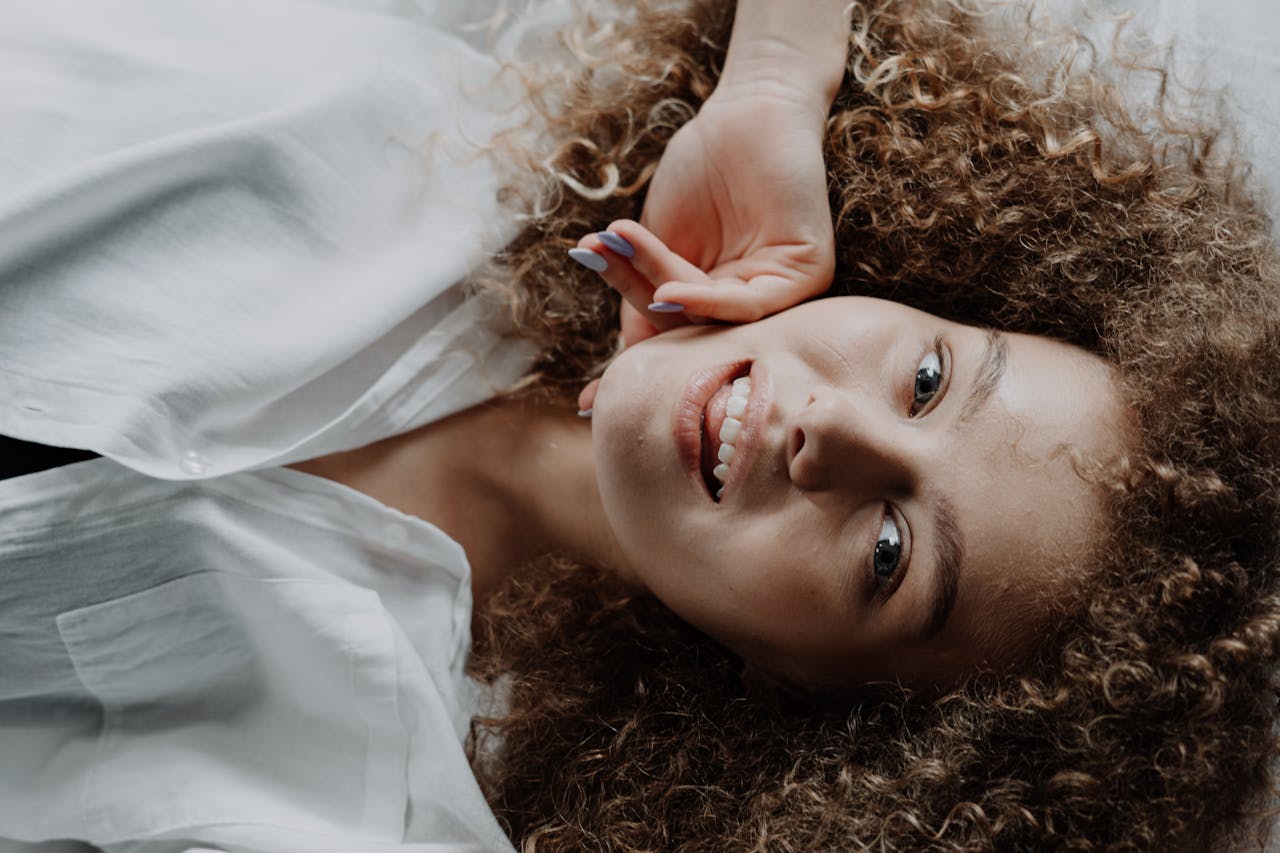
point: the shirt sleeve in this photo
(231, 233)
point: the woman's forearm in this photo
(798, 45)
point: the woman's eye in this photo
(927, 383)
(888, 551)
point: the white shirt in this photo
(230, 231)
(265, 661)
(230, 237)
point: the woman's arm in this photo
(741, 192)
(798, 48)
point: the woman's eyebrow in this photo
(948, 559)
(994, 359)
(948, 542)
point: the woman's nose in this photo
(835, 440)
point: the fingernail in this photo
(666, 307)
(617, 243)
(585, 413)
(589, 259)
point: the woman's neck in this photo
(509, 480)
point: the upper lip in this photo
(687, 426)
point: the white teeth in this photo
(731, 428)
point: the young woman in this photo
(1099, 672)
(988, 565)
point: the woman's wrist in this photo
(796, 48)
(771, 72)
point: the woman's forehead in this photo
(1029, 518)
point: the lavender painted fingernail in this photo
(666, 307)
(585, 413)
(617, 243)
(589, 259)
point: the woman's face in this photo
(899, 502)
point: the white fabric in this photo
(230, 237)
(229, 230)
(1225, 47)
(263, 661)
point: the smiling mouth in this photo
(720, 427)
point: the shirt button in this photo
(193, 463)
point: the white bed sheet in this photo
(1228, 48)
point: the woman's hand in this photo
(741, 193)
(741, 190)
(738, 221)
(738, 224)
(737, 216)
(630, 259)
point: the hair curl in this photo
(988, 184)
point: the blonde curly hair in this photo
(997, 184)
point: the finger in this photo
(620, 274)
(736, 301)
(635, 326)
(653, 259)
(587, 398)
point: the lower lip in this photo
(687, 423)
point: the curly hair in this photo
(1000, 184)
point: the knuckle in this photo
(625, 224)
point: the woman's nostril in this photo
(796, 443)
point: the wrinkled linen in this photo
(231, 235)
(265, 661)
(230, 232)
